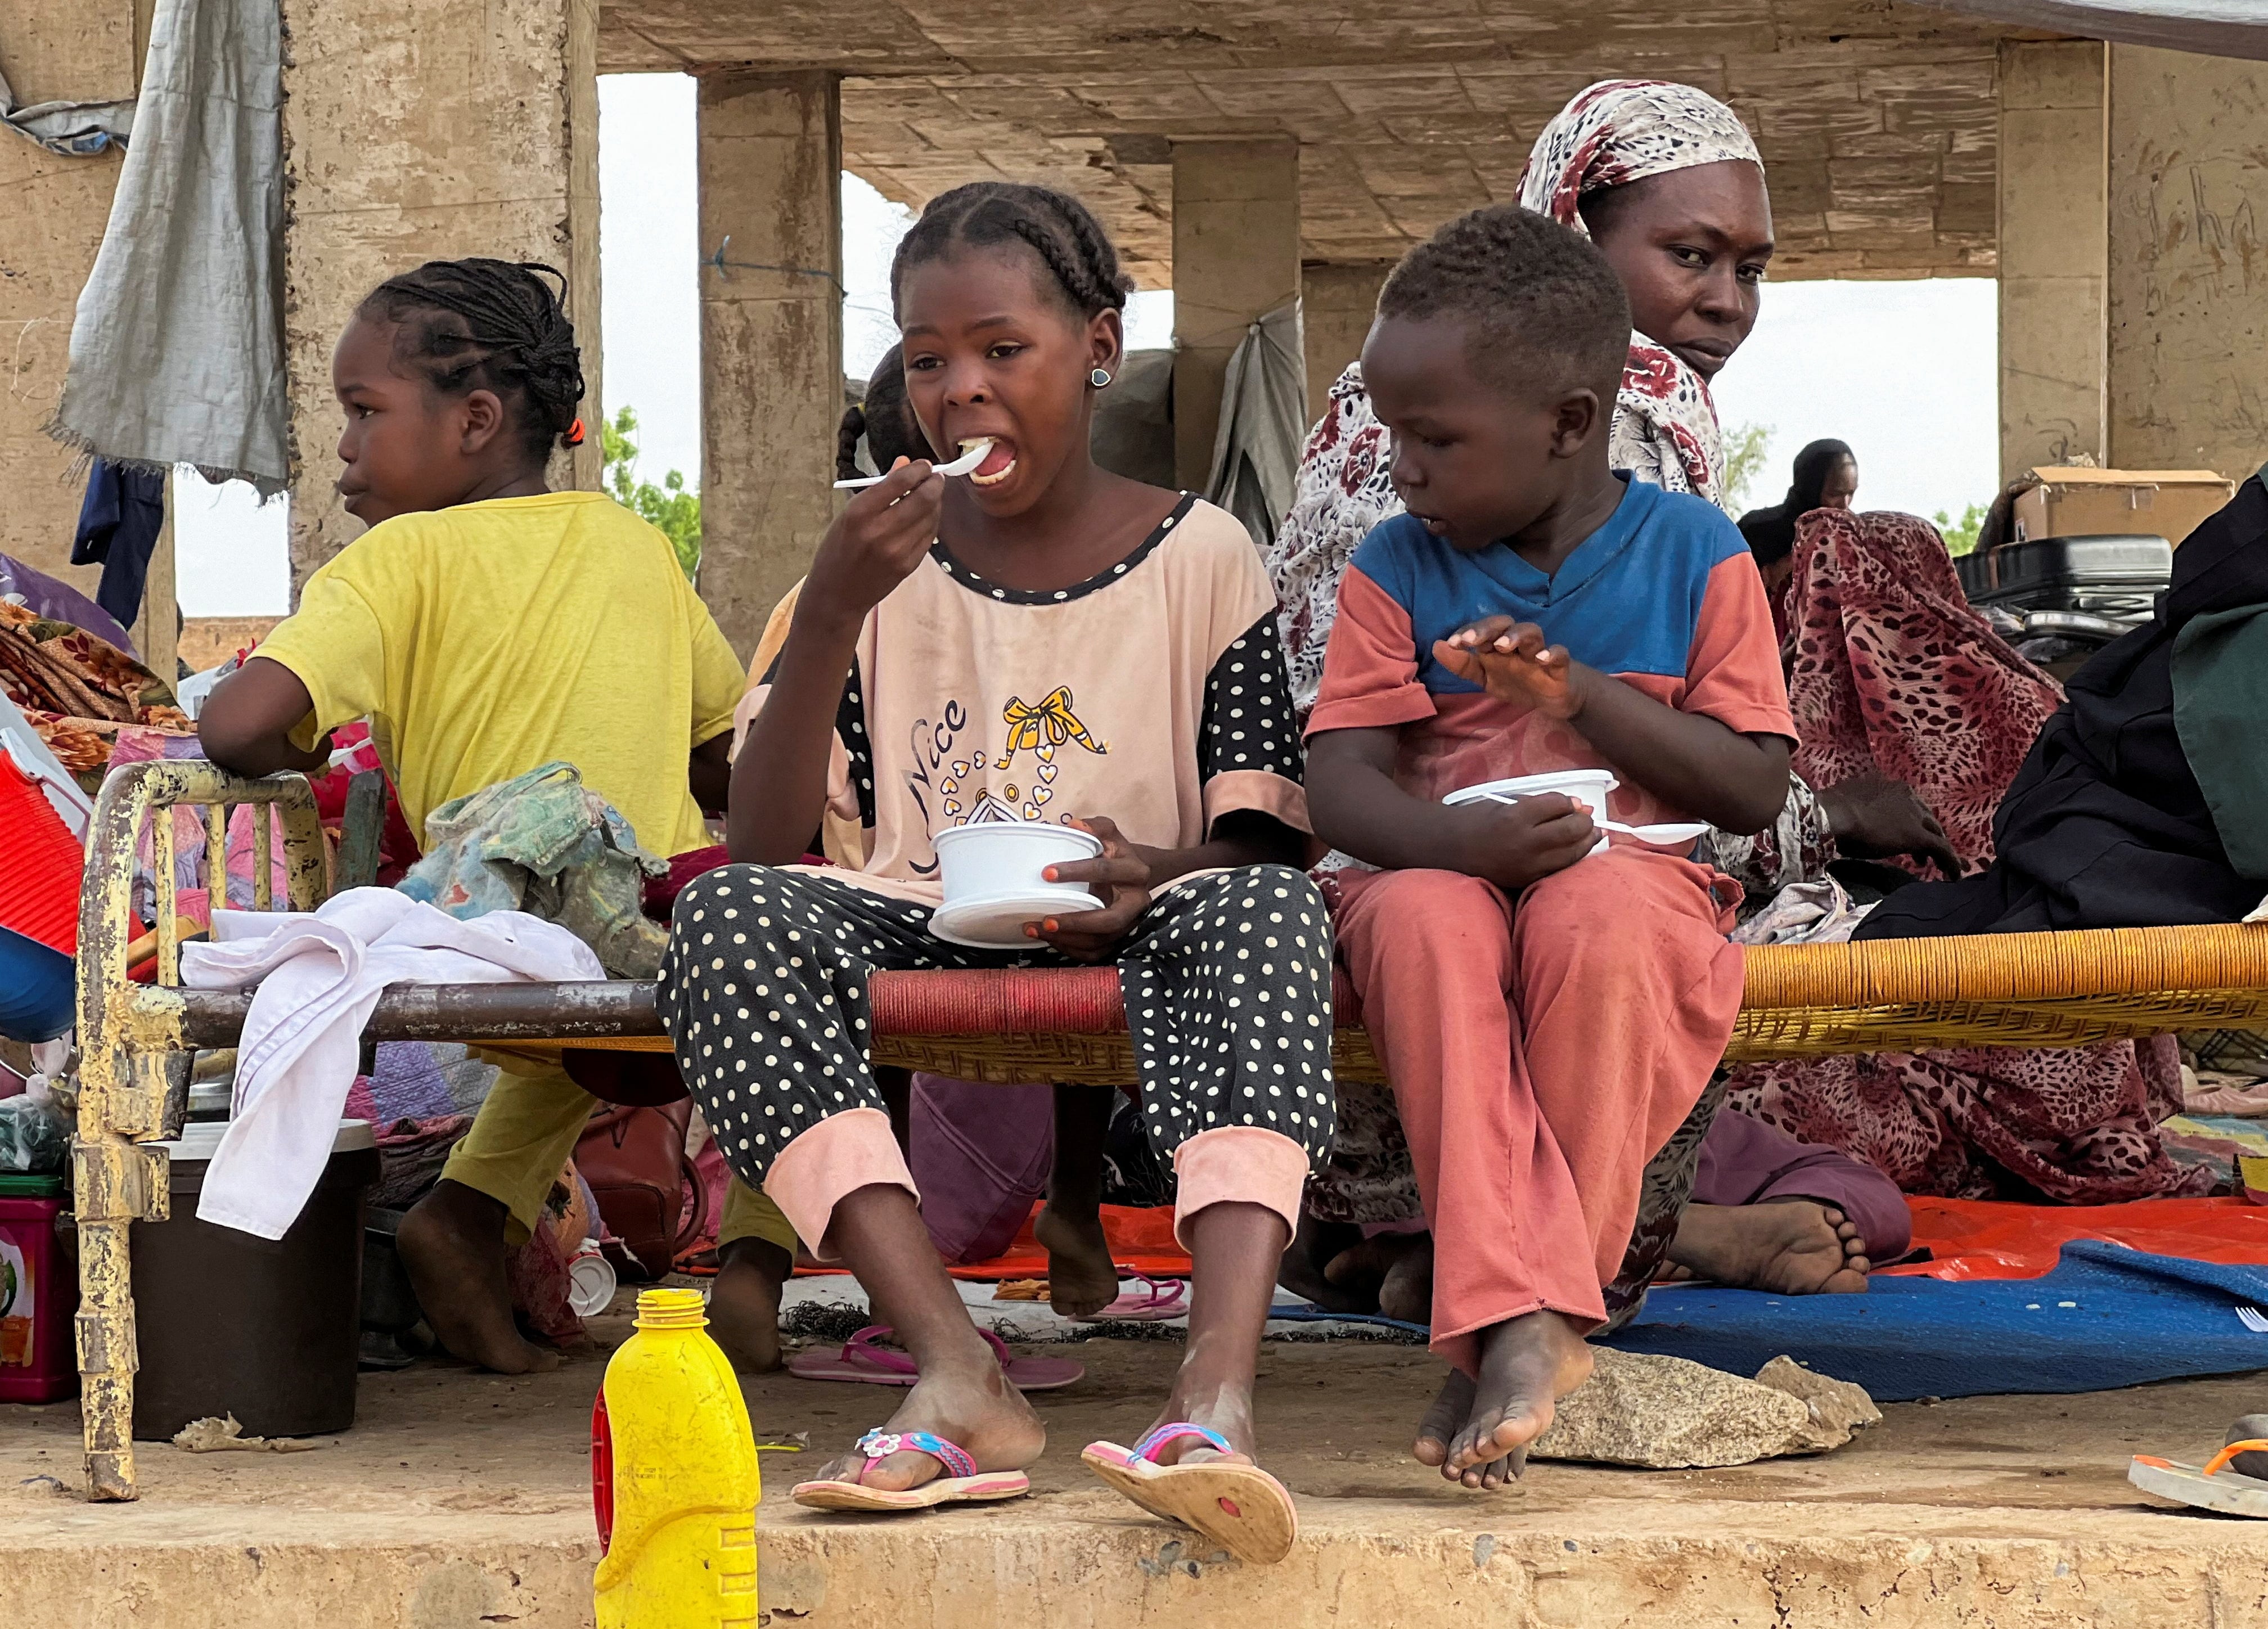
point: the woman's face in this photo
(1841, 485)
(1690, 247)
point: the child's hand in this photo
(876, 541)
(1515, 845)
(1119, 877)
(1511, 661)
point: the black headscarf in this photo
(2105, 825)
(1771, 532)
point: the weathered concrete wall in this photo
(2054, 253)
(2188, 279)
(1236, 257)
(55, 210)
(771, 341)
(1336, 304)
(418, 130)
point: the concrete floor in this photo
(462, 1499)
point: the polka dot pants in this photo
(1227, 978)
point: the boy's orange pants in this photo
(1540, 1052)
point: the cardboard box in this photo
(2074, 502)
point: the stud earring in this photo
(1099, 378)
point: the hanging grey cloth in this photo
(2209, 27)
(72, 129)
(177, 353)
(1263, 413)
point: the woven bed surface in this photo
(1802, 1001)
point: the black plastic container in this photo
(266, 1330)
(2116, 575)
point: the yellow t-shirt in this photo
(484, 640)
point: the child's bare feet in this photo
(452, 1242)
(972, 1406)
(1082, 1279)
(1478, 1429)
(744, 1303)
(1789, 1247)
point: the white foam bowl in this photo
(999, 859)
(1588, 787)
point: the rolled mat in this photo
(2106, 1316)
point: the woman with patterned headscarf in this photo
(1665, 179)
(1690, 255)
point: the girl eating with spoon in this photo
(1042, 641)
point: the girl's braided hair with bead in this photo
(466, 325)
(1057, 227)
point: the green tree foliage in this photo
(671, 509)
(1960, 536)
(1746, 448)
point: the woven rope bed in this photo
(1800, 1001)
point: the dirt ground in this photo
(447, 1463)
(1337, 1421)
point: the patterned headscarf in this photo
(1665, 425)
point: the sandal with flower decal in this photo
(963, 1483)
(1234, 1503)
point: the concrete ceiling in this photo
(1876, 118)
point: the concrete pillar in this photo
(1336, 304)
(55, 210)
(2054, 253)
(428, 129)
(2189, 298)
(1236, 257)
(771, 336)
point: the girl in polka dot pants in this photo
(1226, 983)
(1042, 642)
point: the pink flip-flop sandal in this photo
(1236, 1505)
(1163, 1299)
(864, 1357)
(962, 1482)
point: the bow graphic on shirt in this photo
(1050, 724)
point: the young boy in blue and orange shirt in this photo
(1548, 1015)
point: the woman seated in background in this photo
(1891, 673)
(1826, 477)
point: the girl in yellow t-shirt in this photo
(485, 625)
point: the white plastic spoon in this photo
(961, 466)
(1668, 831)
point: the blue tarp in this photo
(2107, 1316)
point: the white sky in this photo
(1903, 372)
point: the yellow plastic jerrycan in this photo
(673, 1477)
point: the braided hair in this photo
(885, 418)
(1545, 309)
(1057, 227)
(466, 325)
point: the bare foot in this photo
(1478, 1429)
(744, 1303)
(1407, 1292)
(1082, 1279)
(1314, 1248)
(452, 1242)
(974, 1408)
(1789, 1247)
